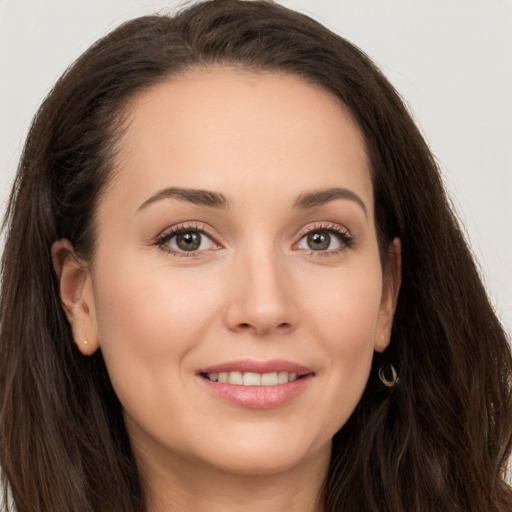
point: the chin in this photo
(267, 455)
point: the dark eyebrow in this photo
(190, 195)
(323, 196)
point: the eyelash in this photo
(344, 237)
(342, 234)
(163, 239)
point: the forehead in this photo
(223, 127)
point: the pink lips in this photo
(258, 397)
(248, 365)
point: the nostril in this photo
(247, 326)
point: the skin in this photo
(254, 290)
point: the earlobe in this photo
(76, 294)
(391, 287)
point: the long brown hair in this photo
(437, 441)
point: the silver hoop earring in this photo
(394, 377)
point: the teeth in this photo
(252, 378)
(235, 378)
(270, 379)
(282, 377)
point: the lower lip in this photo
(258, 397)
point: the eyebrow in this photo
(218, 200)
(190, 195)
(323, 196)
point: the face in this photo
(236, 291)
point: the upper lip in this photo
(248, 365)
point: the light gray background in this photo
(451, 60)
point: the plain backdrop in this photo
(451, 60)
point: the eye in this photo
(319, 241)
(331, 239)
(186, 241)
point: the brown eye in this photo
(318, 240)
(188, 241)
(325, 240)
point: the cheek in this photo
(148, 319)
(133, 298)
(345, 308)
(346, 320)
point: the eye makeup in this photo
(193, 239)
(188, 239)
(324, 239)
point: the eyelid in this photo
(346, 239)
(167, 234)
(324, 226)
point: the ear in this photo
(76, 294)
(392, 280)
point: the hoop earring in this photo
(394, 377)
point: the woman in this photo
(232, 281)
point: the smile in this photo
(257, 385)
(252, 379)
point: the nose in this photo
(260, 298)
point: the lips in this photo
(256, 384)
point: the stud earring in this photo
(86, 342)
(388, 382)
